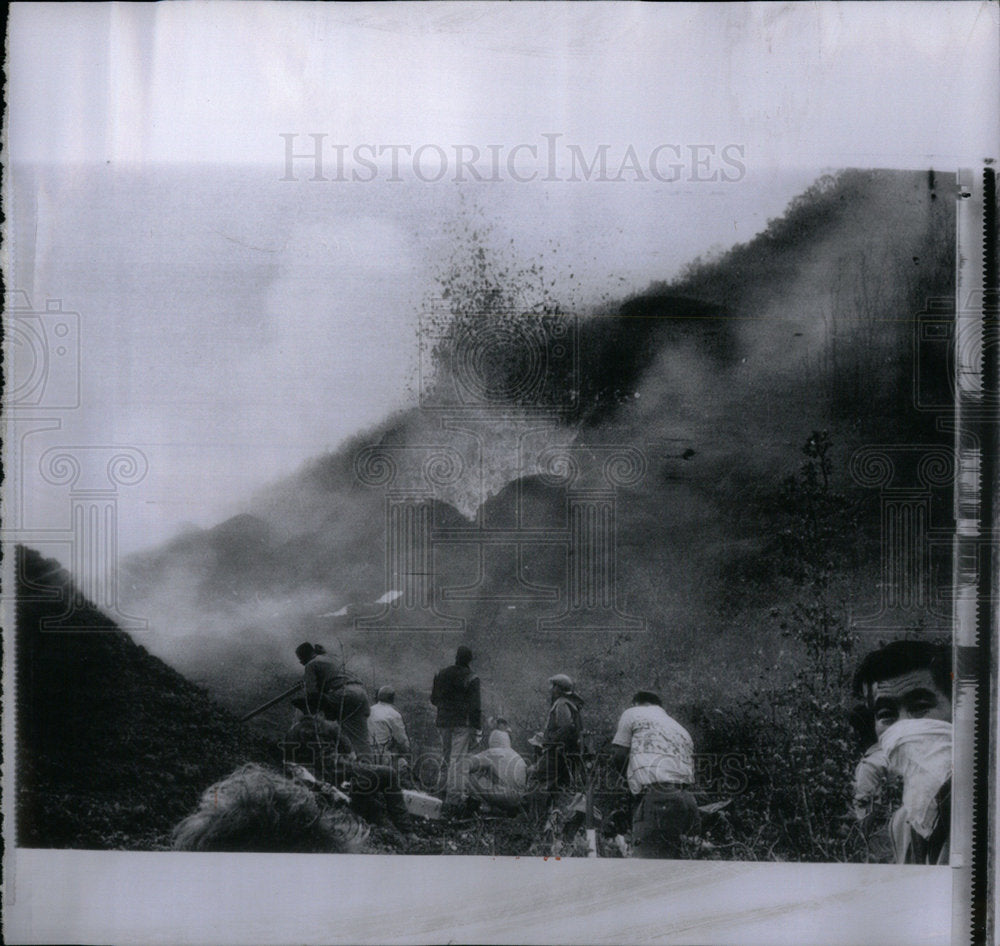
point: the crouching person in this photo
(257, 810)
(337, 694)
(498, 776)
(907, 687)
(659, 757)
(321, 745)
(387, 731)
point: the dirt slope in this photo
(113, 745)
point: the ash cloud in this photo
(717, 377)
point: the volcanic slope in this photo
(113, 746)
(716, 378)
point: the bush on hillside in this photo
(796, 748)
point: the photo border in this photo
(138, 897)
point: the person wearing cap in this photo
(390, 744)
(455, 693)
(659, 756)
(562, 739)
(337, 694)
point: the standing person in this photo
(339, 695)
(562, 740)
(660, 758)
(907, 686)
(390, 744)
(455, 693)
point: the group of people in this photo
(344, 739)
(369, 744)
(904, 712)
(497, 776)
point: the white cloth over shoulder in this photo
(870, 777)
(660, 748)
(920, 751)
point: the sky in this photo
(239, 311)
(807, 83)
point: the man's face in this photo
(912, 695)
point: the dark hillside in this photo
(618, 349)
(716, 379)
(114, 746)
(836, 285)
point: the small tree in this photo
(815, 542)
(797, 747)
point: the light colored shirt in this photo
(870, 776)
(919, 750)
(660, 748)
(386, 730)
(498, 775)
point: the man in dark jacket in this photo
(341, 697)
(562, 741)
(455, 693)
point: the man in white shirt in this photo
(390, 744)
(660, 758)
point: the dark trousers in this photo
(559, 774)
(664, 813)
(350, 707)
(559, 769)
(369, 783)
